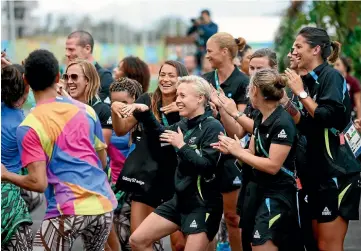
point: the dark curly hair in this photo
(41, 69)
(126, 84)
(12, 85)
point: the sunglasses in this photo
(73, 77)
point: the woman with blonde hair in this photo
(196, 207)
(222, 48)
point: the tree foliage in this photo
(342, 20)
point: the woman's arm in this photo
(231, 126)
(270, 165)
(121, 125)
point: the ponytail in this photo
(241, 43)
(336, 49)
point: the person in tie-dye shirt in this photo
(62, 145)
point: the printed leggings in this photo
(21, 240)
(60, 233)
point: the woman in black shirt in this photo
(162, 104)
(332, 178)
(196, 207)
(222, 48)
(270, 153)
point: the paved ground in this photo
(353, 238)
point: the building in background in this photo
(16, 19)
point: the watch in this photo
(303, 95)
(239, 114)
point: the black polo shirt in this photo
(279, 128)
(234, 87)
(103, 111)
(333, 111)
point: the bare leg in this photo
(232, 219)
(331, 235)
(153, 228)
(268, 246)
(197, 242)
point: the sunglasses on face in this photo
(73, 76)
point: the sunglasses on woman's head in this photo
(73, 76)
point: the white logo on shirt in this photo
(107, 100)
(326, 211)
(256, 235)
(193, 224)
(236, 181)
(314, 97)
(306, 198)
(282, 135)
(109, 122)
(267, 135)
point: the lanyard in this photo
(164, 120)
(314, 76)
(218, 86)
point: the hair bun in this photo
(241, 43)
(281, 82)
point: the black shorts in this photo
(336, 197)
(276, 221)
(151, 199)
(231, 176)
(198, 220)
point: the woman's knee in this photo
(232, 219)
(139, 242)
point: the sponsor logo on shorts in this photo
(236, 181)
(282, 135)
(306, 198)
(326, 211)
(193, 224)
(256, 235)
(109, 122)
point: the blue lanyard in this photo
(164, 120)
(314, 76)
(218, 86)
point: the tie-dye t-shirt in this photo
(66, 134)
(118, 151)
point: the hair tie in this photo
(236, 40)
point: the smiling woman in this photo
(162, 104)
(196, 207)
